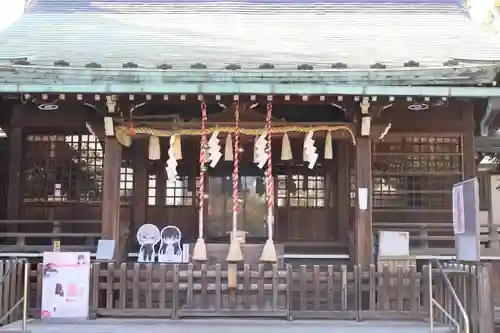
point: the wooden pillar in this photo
(111, 195)
(343, 187)
(161, 194)
(140, 196)
(16, 140)
(468, 153)
(363, 209)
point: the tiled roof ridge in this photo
(145, 6)
(249, 6)
(409, 66)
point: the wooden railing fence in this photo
(302, 291)
(316, 291)
(11, 289)
(38, 235)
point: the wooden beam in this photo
(67, 116)
(364, 209)
(16, 140)
(111, 195)
(422, 126)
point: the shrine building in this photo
(334, 121)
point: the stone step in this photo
(217, 325)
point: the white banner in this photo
(458, 210)
(66, 285)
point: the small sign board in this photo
(394, 244)
(105, 249)
(66, 285)
(465, 220)
(56, 246)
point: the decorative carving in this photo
(198, 65)
(61, 63)
(378, 65)
(233, 67)
(305, 67)
(411, 63)
(93, 65)
(339, 65)
(130, 65)
(266, 66)
(164, 66)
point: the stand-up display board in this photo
(465, 220)
(66, 285)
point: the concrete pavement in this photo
(218, 326)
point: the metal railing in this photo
(23, 300)
(462, 325)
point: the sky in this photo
(10, 11)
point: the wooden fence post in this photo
(486, 307)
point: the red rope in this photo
(270, 183)
(236, 167)
(202, 153)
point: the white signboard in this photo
(458, 210)
(66, 285)
(394, 244)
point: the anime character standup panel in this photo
(171, 248)
(66, 285)
(148, 236)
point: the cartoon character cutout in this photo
(171, 248)
(148, 236)
(81, 260)
(49, 270)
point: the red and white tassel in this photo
(235, 253)
(269, 251)
(200, 249)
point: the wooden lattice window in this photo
(416, 172)
(152, 190)
(178, 193)
(282, 190)
(126, 184)
(63, 168)
(301, 189)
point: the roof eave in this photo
(463, 75)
